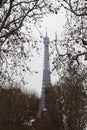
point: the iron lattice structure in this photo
(46, 74)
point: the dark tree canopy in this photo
(66, 103)
(16, 108)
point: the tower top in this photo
(46, 31)
(55, 36)
(46, 38)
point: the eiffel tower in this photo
(46, 75)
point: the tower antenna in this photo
(46, 31)
(55, 37)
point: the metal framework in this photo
(46, 74)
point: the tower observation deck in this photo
(46, 74)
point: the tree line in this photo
(66, 107)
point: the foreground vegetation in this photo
(66, 105)
(16, 109)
